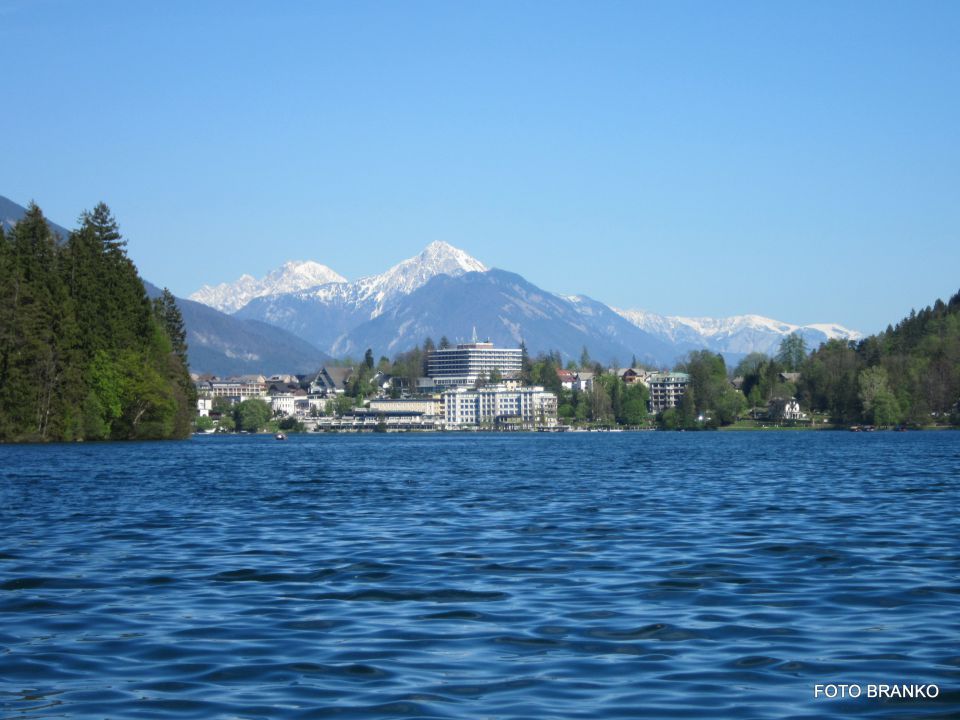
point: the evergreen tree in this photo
(171, 320)
(82, 355)
(793, 351)
(37, 343)
(584, 358)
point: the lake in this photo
(600, 575)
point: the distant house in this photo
(279, 387)
(635, 375)
(331, 380)
(287, 379)
(567, 379)
(785, 409)
(288, 400)
(737, 382)
(204, 405)
(584, 382)
(382, 382)
(790, 377)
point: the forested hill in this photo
(84, 353)
(909, 373)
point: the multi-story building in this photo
(289, 401)
(666, 389)
(505, 405)
(237, 389)
(466, 363)
(429, 407)
(331, 380)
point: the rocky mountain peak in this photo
(292, 276)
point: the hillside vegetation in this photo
(909, 373)
(84, 354)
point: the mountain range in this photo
(300, 314)
(443, 291)
(292, 276)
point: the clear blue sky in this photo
(795, 160)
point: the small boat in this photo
(280, 436)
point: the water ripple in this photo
(445, 576)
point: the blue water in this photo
(480, 576)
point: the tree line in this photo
(84, 353)
(908, 374)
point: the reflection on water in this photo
(518, 576)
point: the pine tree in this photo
(81, 353)
(171, 319)
(34, 342)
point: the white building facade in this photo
(666, 390)
(283, 403)
(463, 365)
(502, 406)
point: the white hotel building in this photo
(463, 365)
(504, 406)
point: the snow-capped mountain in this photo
(737, 335)
(438, 258)
(292, 276)
(445, 291)
(506, 309)
(324, 313)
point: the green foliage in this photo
(291, 424)
(880, 407)
(251, 415)
(761, 380)
(543, 371)
(792, 352)
(710, 394)
(222, 405)
(82, 355)
(204, 423)
(526, 367)
(908, 373)
(343, 404)
(584, 358)
(751, 365)
(635, 401)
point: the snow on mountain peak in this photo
(292, 276)
(447, 259)
(736, 334)
(437, 258)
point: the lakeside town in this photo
(469, 386)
